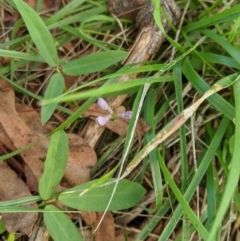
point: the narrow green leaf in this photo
(108, 89)
(55, 88)
(153, 155)
(55, 164)
(206, 160)
(219, 59)
(89, 198)
(184, 204)
(82, 13)
(93, 62)
(232, 50)
(201, 86)
(60, 227)
(19, 209)
(61, 13)
(2, 227)
(39, 33)
(157, 15)
(19, 55)
(219, 17)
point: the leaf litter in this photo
(21, 128)
(18, 131)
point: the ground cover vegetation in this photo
(119, 120)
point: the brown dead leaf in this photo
(4, 139)
(31, 118)
(81, 156)
(19, 132)
(106, 230)
(22, 128)
(81, 159)
(12, 187)
(70, 81)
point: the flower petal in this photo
(104, 105)
(125, 115)
(100, 120)
(128, 115)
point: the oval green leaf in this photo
(60, 227)
(90, 197)
(55, 164)
(55, 88)
(93, 62)
(39, 33)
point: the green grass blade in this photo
(182, 132)
(153, 156)
(177, 73)
(197, 177)
(220, 17)
(233, 51)
(81, 16)
(19, 55)
(201, 86)
(68, 9)
(184, 203)
(219, 59)
(234, 169)
(109, 89)
(154, 221)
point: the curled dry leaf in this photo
(12, 187)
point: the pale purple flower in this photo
(104, 105)
(102, 120)
(125, 115)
